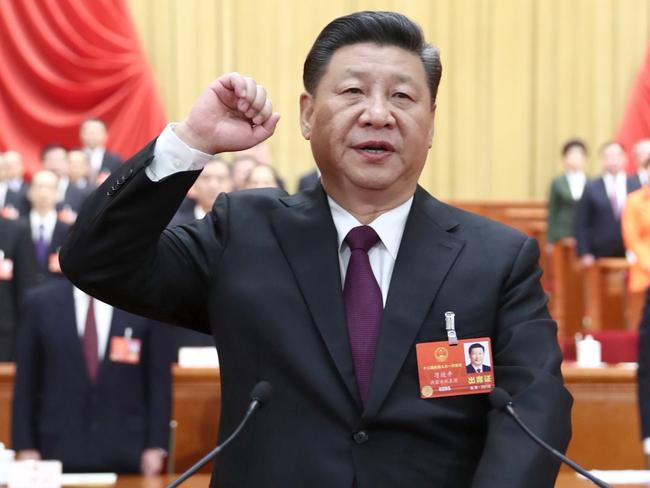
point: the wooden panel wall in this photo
(520, 76)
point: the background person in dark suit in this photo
(111, 416)
(70, 197)
(326, 293)
(17, 273)
(47, 230)
(477, 355)
(93, 135)
(566, 191)
(598, 214)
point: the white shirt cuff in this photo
(171, 155)
(646, 445)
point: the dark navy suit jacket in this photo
(57, 410)
(597, 229)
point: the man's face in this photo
(213, 180)
(14, 163)
(613, 158)
(56, 161)
(476, 355)
(261, 176)
(370, 122)
(642, 153)
(78, 165)
(43, 191)
(92, 134)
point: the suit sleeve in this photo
(527, 362)
(27, 382)
(159, 385)
(120, 252)
(24, 264)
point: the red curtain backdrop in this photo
(62, 61)
(636, 119)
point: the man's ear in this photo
(306, 112)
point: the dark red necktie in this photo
(90, 342)
(363, 305)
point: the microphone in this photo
(260, 394)
(501, 400)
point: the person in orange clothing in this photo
(636, 234)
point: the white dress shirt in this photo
(48, 222)
(577, 181)
(95, 159)
(3, 193)
(172, 155)
(103, 319)
(616, 185)
(389, 226)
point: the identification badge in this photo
(67, 215)
(6, 268)
(125, 349)
(53, 263)
(464, 369)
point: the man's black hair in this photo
(381, 28)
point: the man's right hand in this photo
(587, 260)
(233, 114)
(28, 454)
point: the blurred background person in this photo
(92, 386)
(636, 233)
(17, 273)
(215, 179)
(598, 214)
(308, 180)
(70, 198)
(47, 231)
(16, 171)
(93, 134)
(241, 167)
(565, 191)
(641, 152)
(262, 176)
(79, 170)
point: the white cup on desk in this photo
(7, 457)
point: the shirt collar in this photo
(389, 226)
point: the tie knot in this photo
(362, 237)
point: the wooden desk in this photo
(567, 299)
(7, 371)
(564, 480)
(196, 408)
(605, 418)
(609, 305)
(604, 414)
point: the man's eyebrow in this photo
(400, 77)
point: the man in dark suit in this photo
(326, 293)
(109, 412)
(93, 135)
(598, 214)
(47, 231)
(70, 197)
(308, 180)
(17, 273)
(566, 191)
(16, 196)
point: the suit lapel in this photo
(426, 254)
(68, 318)
(308, 239)
(564, 187)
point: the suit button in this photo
(360, 437)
